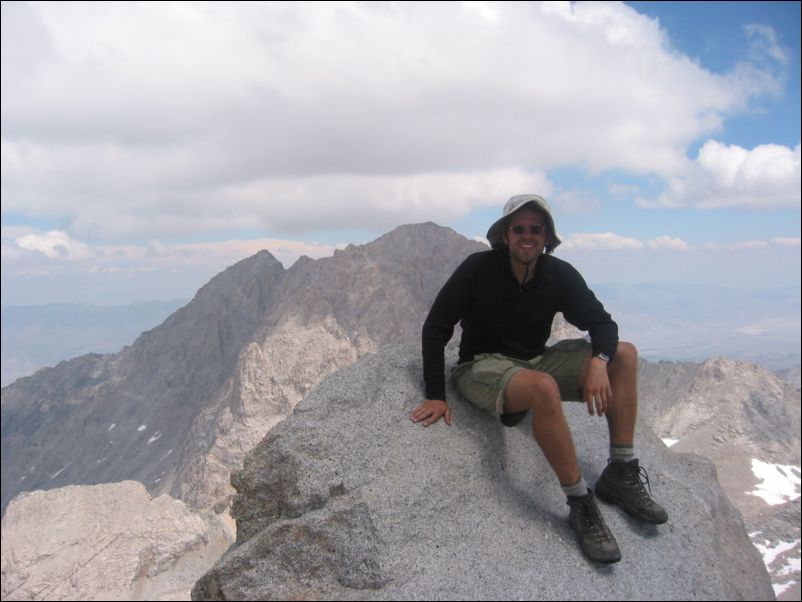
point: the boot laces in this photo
(594, 521)
(637, 478)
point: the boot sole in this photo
(612, 558)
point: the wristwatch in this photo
(602, 356)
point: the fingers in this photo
(448, 416)
(596, 407)
(588, 397)
(417, 414)
(599, 401)
(601, 405)
(430, 411)
(598, 394)
(422, 412)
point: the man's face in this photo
(527, 246)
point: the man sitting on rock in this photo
(506, 299)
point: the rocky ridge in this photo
(735, 413)
(792, 376)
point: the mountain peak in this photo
(429, 231)
(414, 240)
(425, 242)
(252, 341)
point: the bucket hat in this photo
(495, 235)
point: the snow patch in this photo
(778, 483)
(790, 565)
(60, 471)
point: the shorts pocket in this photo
(490, 369)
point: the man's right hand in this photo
(430, 411)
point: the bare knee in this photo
(541, 391)
(626, 354)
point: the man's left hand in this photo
(597, 392)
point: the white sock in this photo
(578, 489)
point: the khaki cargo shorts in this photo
(483, 380)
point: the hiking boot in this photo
(594, 537)
(512, 419)
(623, 483)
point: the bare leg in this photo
(539, 391)
(620, 483)
(623, 413)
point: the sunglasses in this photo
(533, 229)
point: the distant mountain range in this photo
(674, 322)
(683, 322)
(35, 336)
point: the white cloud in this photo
(37, 249)
(786, 241)
(764, 43)
(767, 176)
(601, 241)
(153, 270)
(55, 244)
(749, 245)
(384, 201)
(132, 120)
(55, 251)
(608, 241)
(667, 243)
(755, 329)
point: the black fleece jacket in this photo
(499, 315)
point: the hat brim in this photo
(495, 235)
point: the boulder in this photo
(347, 499)
(106, 542)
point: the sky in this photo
(147, 146)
